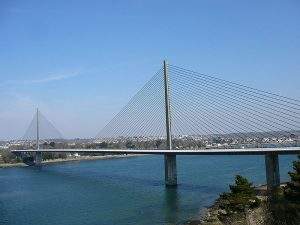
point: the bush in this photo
(292, 191)
(284, 208)
(283, 213)
(9, 157)
(242, 196)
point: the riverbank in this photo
(70, 159)
(214, 215)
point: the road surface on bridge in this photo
(240, 151)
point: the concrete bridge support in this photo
(38, 154)
(38, 158)
(170, 159)
(170, 170)
(272, 171)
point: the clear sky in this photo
(81, 61)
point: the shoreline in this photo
(73, 159)
(209, 215)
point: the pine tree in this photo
(242, 196)
(292, 191)
(242, 186)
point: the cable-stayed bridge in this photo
(179, 111)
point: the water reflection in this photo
(172, 205)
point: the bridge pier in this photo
(38, 159)
(170, 170)
(272, 171)
(170, 159)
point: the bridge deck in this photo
(249, 151)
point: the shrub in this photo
(284, 209)
(240, 197)
(9, 157)
(292, 191)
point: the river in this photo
(121, 191)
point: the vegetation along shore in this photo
(8, 159)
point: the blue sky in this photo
(81, 61)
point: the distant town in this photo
(179, 142)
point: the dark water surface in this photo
(121, 191)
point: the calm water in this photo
(121, 191)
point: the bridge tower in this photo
(170, 159)
(38, 154)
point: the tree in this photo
(9, 157)
(103, 145)
(47, 155)
(285, 208)
(158, 143)
(52, 144)
(129, 145)
(292, 191)
(242, 196)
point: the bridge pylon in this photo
(38, 154)
(170, 159)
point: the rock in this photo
(222, 212)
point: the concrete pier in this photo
(272, 171)
(170, 170)
(38, 154)
(170, 159)
(38, 158)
